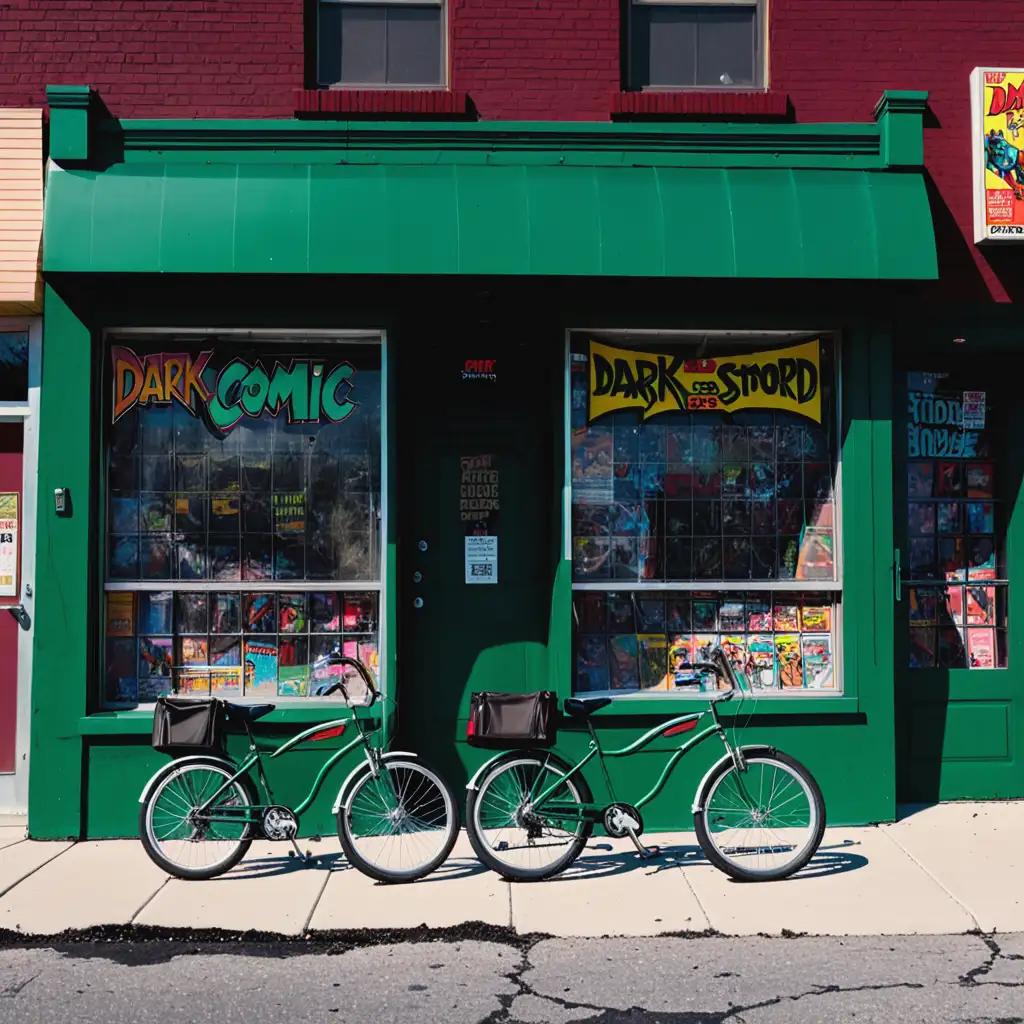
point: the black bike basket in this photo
(512, 719)
(188, 726)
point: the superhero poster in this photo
(997, 125)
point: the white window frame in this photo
(14, 787)
(283, 337)
(833, 588)
(760, 47)
(444, 84)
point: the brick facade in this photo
(537, 60)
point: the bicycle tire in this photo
(480, 847)
(763, 755)
(171, 867)
(357, 860)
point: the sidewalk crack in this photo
(149, 899)
(38, 867)
(899, 846)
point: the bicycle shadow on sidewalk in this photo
(602, 860)
(285, 864)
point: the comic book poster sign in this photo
(225, 391)
(9, 547)
(997, 129)
(783, 380)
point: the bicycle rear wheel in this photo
(763, 824)
(512, 837)
(400, 824)
(185, 843)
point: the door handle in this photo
(897, 575)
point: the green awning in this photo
(489, 219)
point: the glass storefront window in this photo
(243, 487)
(704, 508)
(957, 576)
(14, 366)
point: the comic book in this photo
(121, 613)
(981, 648)
(155, 656)
(194, 650)
(592, 664)
(759, 616)
(816, 618)
(816, 560)
(705, 615)
(731, 617)
(735, 647)
(193, 682)
(980, 480)
(680, 653)
(293, 681)
(623, 664)
(653, 660)
(787, 650)
(816, 649)
(703, 645)
(260, 665)
(226, 682)
(760, 670)
(787, 618)
(981, 606)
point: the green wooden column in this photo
(65, 591)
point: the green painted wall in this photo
(89, 767)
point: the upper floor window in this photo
(14, 366)
(366, 42)
(702, 44)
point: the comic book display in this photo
(249, 465)
(956, 577)
(774, 646)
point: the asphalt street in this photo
(704, 980)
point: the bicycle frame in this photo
(255, 758)
(593, 811)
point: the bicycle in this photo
(207, 800)
(547, 800)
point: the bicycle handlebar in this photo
(722, 668)
(334, 658)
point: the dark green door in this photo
(476, 450)
(960, 667)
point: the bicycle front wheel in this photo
(188, 843)
(399, 824)
(762, 824)
(520, 841)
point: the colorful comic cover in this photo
(759, 616)
(680, 654)
(731, 617)
(705, 615)
(735, 647)
(921, 517)
(948, 516)
(259, 613)
(193, 683)
(816, 561)
(194, 651)
(760, 669)
(294, 681)
(981, 648)
(226, 682)
(703, 645)
(591, 557)
(815, 618)
(155, 612)
(787, 618)
(920, 479)
(996, 123)
(121, 613)
(358, 616)
(952, 607)
(291, 613)
(155, 656)
(980, 517)
(260, 664)
(982, 562)
(981, 606)
(592, 457)
(623, 667)
(592, 663)
(950, 483)
(788, 653)
(816, 649)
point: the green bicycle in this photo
(758, 813)
(397, 818)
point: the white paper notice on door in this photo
(8, 545)
(481, 559)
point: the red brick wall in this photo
(535, 59)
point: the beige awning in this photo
(21, 210)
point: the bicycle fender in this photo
(358, 768)
(184, 760)
(473, 783)
(751, 751)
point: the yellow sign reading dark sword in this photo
(783, 380)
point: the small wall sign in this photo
(9, 544)
(974, 410)
(481, 559)
(480, 369)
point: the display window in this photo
(956, 575)
(243, 511)
(704, 474)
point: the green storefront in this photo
(311, 383)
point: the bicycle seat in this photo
(580, 707)
(249, 712)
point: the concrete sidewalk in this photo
(947, 869)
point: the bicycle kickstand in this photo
(307, 857)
